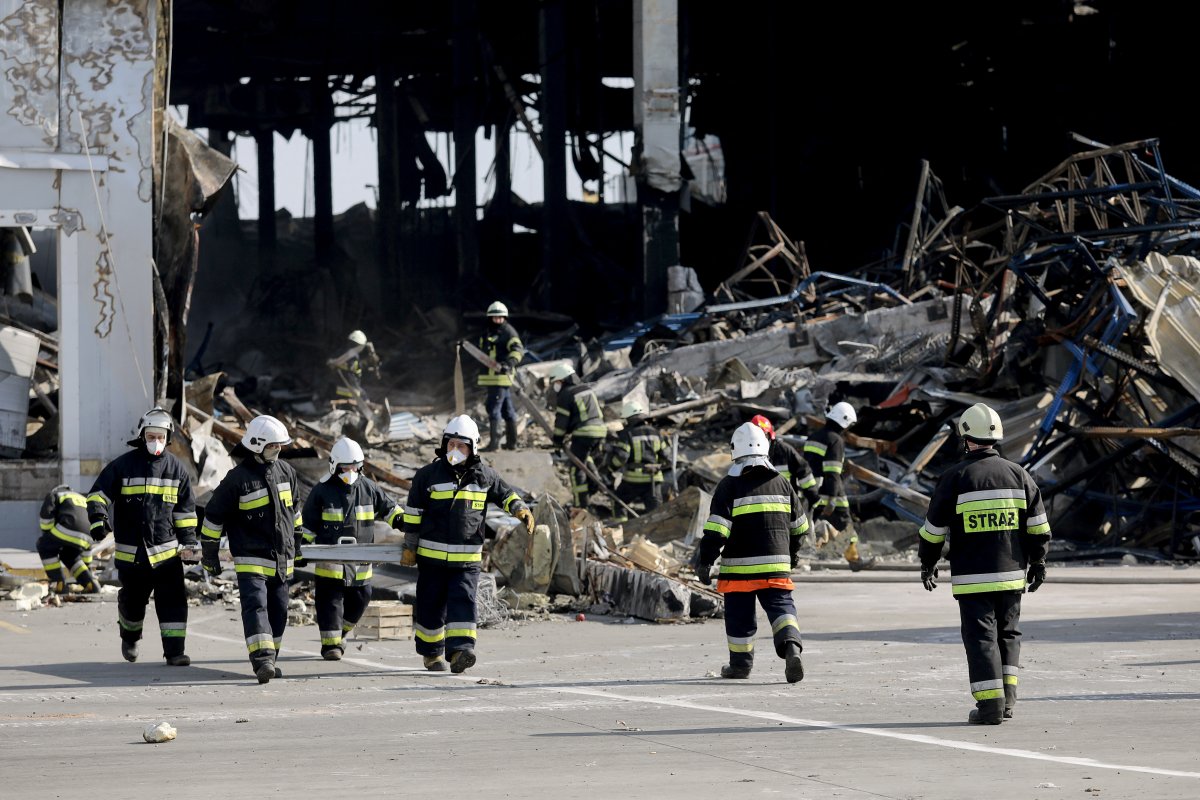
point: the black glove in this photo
(795, 560)
(1036, 576)
(929, 578)
(507, 369)
(212, 567)
(704, 574)
(811, 498)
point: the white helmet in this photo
(560, 371)
(749, 440)
(344, 451)
(262, 431)
(358, 337)
(843, 414)
(631, 408)
(497, 309)
(462, 427)
(157, 417)
(981, 423)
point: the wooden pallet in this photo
(385, 619)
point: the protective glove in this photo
(1036, 576)
(704, 574)
(811, 498)
(212, 567)
(929, 578)
(526, 516)
(408, 558)
(299, 560)
(795, 560)
(507, 369)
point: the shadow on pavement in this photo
(1137, 628)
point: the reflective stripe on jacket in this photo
(147, 501)
(579, 413)
(254, 506)
(504, 345)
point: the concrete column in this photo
(388, 214)
(555, 243)
(657, 132)
(322, 167)
(466, 60)
(265, 141)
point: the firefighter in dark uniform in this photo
(348, 366)
(344, 503)
(254, 507)
(989, 510)
(65, 540)
(501, 342)
(789, 463)
(443, 537)
(580, 416)
(145, 498)
(756, 526)
(825, 452)
(639, 454)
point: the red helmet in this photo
(765, 424)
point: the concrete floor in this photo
(1110, 707)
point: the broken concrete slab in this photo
(681, 519)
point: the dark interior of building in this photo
(824, 111)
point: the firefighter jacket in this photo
(147, 502)
(792, 466)
(579, 413)
(990, 512)
(353, 359)
(825, 452)
(254, 507)
(333, 510)
(64, 516)
(641, 452)
(755, 525)
(502, 344)
(444, 515)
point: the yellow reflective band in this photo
(97, 524)
(78, 541)
(751, 569)
(255, 569)
(391, 518)
(286, 496)
(46, 525)
(429, 637)
(332, 516)
(762, 508)
(364, 574)
(741, 648)
(800, 530)
(98, 498)
(508, 501)
(717, 528)
(816, 447)
(464, 557)
(209, 532)
(169, 633)
(78, 569)
(461, 632)
(331, 640)
(1010, 680)
(988, 694)
(997, 586)
(170, 494)
(163, 556)
(1037, 530)
(784, 622)
(189, 522)
(808, 482)
(254, 647)
(258, 502)
(931, 537)
(835, 469)
(995, 504)
(412, 519)
(325, 572)
(364, 515)
(461, 494)
(125, 556)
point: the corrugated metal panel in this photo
(18, 356)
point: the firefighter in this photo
(788, 463)
(65, 541)
(344, 503)
(349, 366)
(144, 498)
(756, 526)
(501, 342)
(443, 537)
(639, 454)
(990, 512)
(825, 452)
(254, 507)
(580, 416)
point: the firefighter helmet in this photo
(358, 337)
(632, 408)
(843, 414)
(157, 417)
(980, 423)
(749, 440)
(497, 309)
(765, 424)
(344, 451)
(462, 427)
(262, 431)
(561, 371)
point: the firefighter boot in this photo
(794, 671)
(510, 434)
(739, 673)
(181, 660)
(461, 661)
(493, 437)
(435, 664)
(129, 650)
(332, 653)
(987, 712)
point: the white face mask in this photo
(348, 478)
(270, 453)
(155, 447)
(557, 386)
(455, 457)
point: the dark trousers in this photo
(339, 608)
(500, 404)
(648, 494)
(264, 615)
(582, 485)
(165, 582)
(64, 562)
(445, 612)
(741, 623)
(993, 644)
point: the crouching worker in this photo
(756, 527)
(443, 537)
(344, 503)
(65, 540)
(253, 507)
